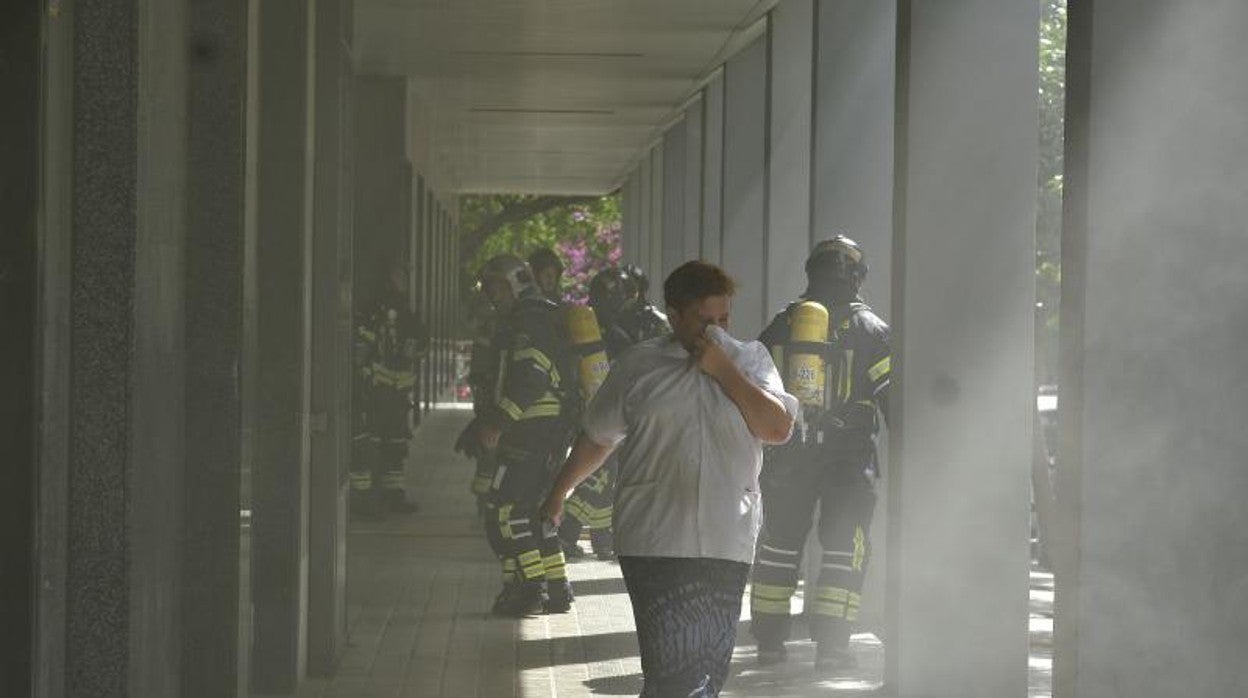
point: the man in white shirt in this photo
(696, 408)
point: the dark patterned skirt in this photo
(686, 611)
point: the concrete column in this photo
(1154, 599)
(284, 245)
(21, 32)
(789, 151)
(692, 238)
(653, 263)
(55, 237)
(645, 200)
(114, 230)
(745, 184)
(382, 183)
(712, 170)
(673, 238)
(963, 290)
(332, 338)
(213, 557)
(628, 216)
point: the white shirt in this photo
(688, 482)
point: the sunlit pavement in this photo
(421, 585)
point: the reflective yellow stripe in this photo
(860, 548)
(553, 567)
(392, 377)
(854, 599)
(837, 594)
(504, 515)
(512, 409)
(772, 591)
(828, 608)
(541, 408)
(760, 606)
(849, 375)
(367, 334)
(882, 367)
(541, 360)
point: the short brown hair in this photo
(693, 281)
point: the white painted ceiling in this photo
(546, 96)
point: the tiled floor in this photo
(420, 588)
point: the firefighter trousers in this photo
(591, 504)
(527, 547)
(794, 481)
(380, 443)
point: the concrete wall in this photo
(711, 245)
(964, 292)
(1154, 600)
(853, 133)
(674, 180)
(692, 196)
(745, 184)
(789, 153)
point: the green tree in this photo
(574, 227)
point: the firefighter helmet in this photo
(512, 271)
(640, 280)
(837, 259)
(610, 290)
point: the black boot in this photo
(519, 599)
(396, 502)
(771, 653)
(603, 543)
(558, 596)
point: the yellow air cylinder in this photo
(805, 372)
(587, 339)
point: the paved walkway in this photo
(419, 593)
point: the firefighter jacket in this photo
(389, 345)
(857, 364)
(537, 366)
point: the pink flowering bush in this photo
(586, 256)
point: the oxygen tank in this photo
(805, 374)
(587, 341)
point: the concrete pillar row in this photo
(745, 184)
(712, 232)
(691, 216)
(1152, 576)
(653, 262)
(790, 134)
(283, 258)
(672, 247)
(963, 304)
(332, 338)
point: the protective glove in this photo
(469, 443)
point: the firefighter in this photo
(482, 379)
(529, 426)
(389, 344)
(624, 321)
(839, 369)
(547, 273)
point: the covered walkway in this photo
(420, 589)
(197, 198)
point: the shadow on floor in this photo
(629, 685)
(599, 587)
